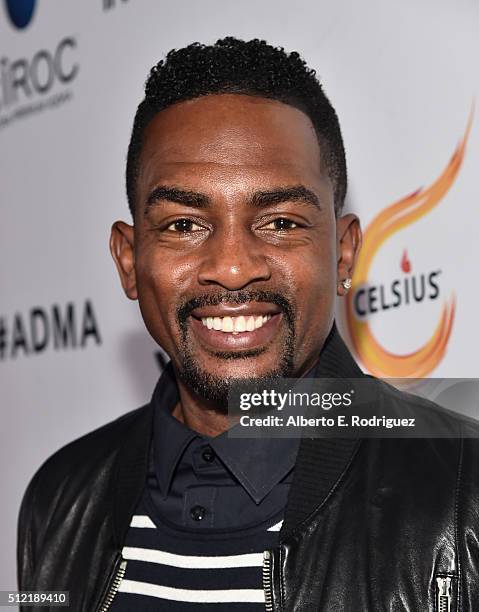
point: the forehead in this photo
(230, 133)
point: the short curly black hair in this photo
(246, 67)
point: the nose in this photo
(233, 261)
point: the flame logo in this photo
(405, 263)
(394, 218)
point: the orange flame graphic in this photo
(394, 218)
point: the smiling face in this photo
(236, 255)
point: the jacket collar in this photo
(321, 462)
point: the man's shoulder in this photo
(443, 421)
(85, 456)
(105, 439)
(75, 488)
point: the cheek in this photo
(312, 282)
(161, 284)
(310, 273)
(161, 273)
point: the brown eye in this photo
(281, 224)
(184, 226)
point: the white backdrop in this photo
(73, 351)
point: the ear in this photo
(122, 248)
(349, 239)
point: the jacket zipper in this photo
(444, 597)
(114, 586)
(444, 593)
(267, 586)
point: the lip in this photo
(219, 340)
(235, 310)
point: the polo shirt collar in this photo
(259, 464)
(170, 436)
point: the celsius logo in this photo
(20, 12)
(366, 300)
(409, 289)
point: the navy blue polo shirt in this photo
(210, 508)
(222, 482)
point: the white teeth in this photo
(235, 324)
(228, 324)
(240, 324)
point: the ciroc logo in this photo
(20, 12)
(29, 85)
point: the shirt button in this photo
(197, 513)
(208, 454)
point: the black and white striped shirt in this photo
(169, 568)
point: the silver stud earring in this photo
(347, 283)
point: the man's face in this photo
(235, 252)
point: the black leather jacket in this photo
(390, 525)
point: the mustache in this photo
(236, 297)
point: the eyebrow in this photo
(296, 193)
(180, 196)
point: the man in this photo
(236, 179)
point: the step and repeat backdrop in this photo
(73, 351)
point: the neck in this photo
(205, 416)
(199, 414)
